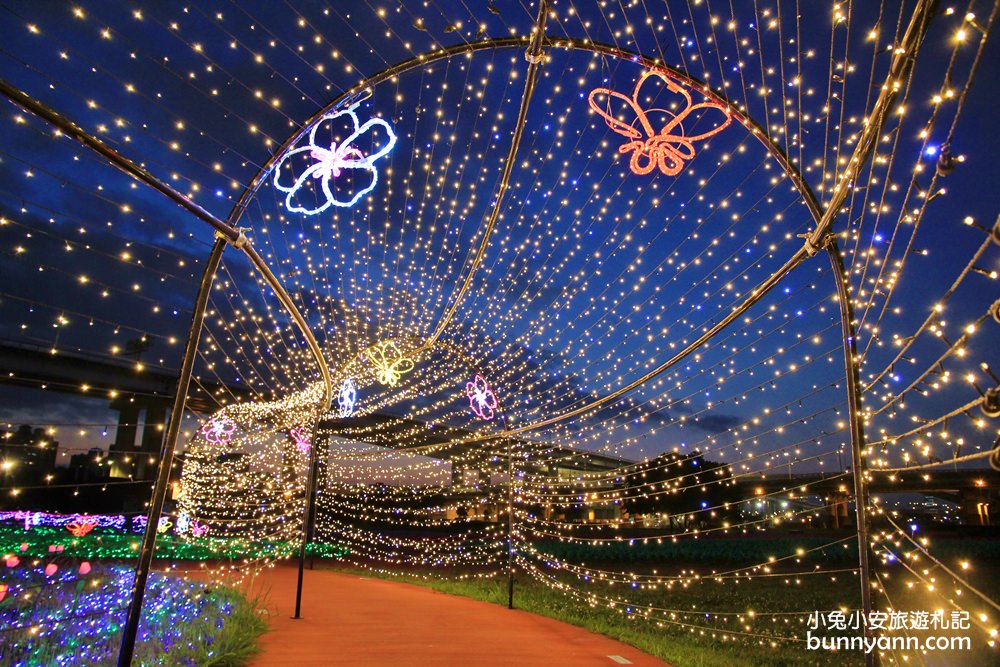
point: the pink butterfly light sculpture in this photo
(660, 141)
(482, 400)
(301, 437)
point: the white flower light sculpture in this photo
(346, 399)
(332, 163)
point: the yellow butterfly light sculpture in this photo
(390, 363)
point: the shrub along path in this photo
(352, 620)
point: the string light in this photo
(590, 280)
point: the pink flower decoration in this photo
(51, 569)
(52, 548)
(12, 561)
(84, 567)
(482, 400)
(219, 430)
(24, 546)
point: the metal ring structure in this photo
(819, 238)
(366, 86)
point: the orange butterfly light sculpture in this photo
(81, 526)
(666, 147)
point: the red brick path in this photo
(351, 620)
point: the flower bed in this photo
(59, 610)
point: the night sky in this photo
(593, 276)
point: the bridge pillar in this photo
(153, 427)
(836, 510)
(128, 420)
(129, 410)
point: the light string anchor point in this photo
(812, 244)
(241, 241)
(534, 58)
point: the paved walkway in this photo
(352, 620)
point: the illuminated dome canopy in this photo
(528, 258)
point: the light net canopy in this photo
(521, 273)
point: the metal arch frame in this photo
(820, 237)
(226, 234)
(815, 241)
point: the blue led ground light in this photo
(70, 618)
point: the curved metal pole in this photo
(228, 232)
(857, 426)
(309, 519)
(904, 55)
(535, 58)
(131, 629)
(300, 321)
(75, 132)
(902, 63)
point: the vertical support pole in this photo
(857, 427)
(320, 475)
(309, 517)
(167, 448)
(510, 523)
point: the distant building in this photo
(87, 467)
(27, 453)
